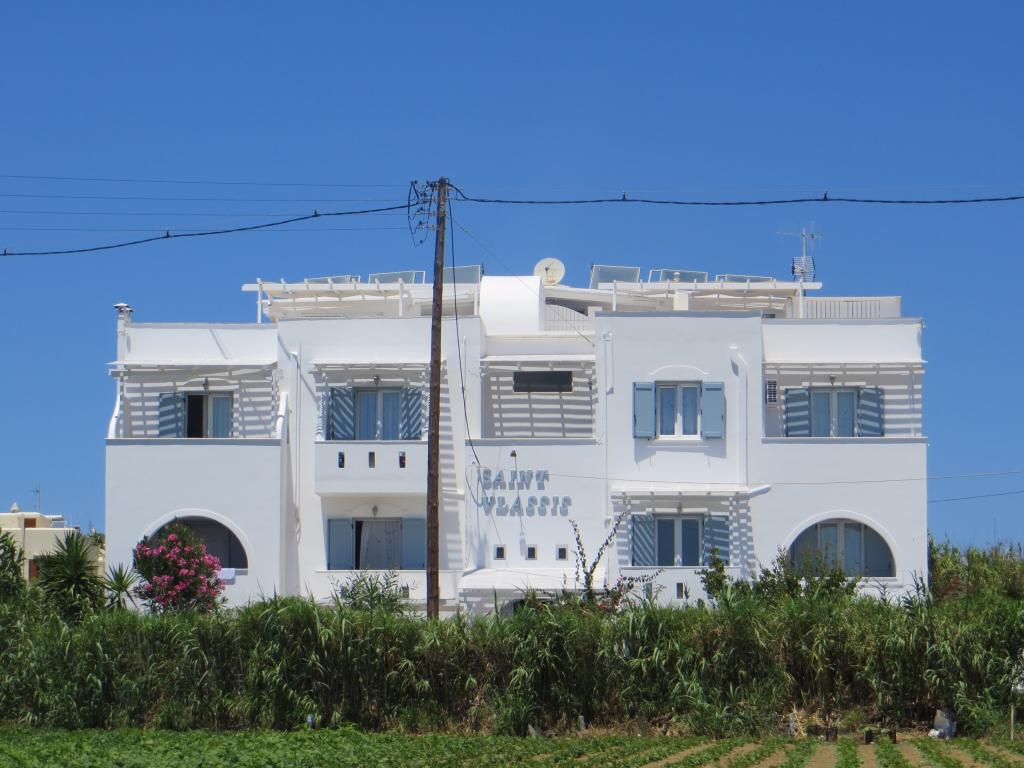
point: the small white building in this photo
(37, 534)
(737, 414)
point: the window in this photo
(677, 541)
(562, 553)
(499, 552)
(378, 412)
(531, 553)
(195, 414)
(542, 381)
(833, 412)
(376, 544)
(856, 548)
(373, 414)
(678, 409)
(219, 541)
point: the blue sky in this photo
(722, 100)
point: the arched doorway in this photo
(219, 540)
(855, 547)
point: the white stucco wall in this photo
(278, 494)
(234, 482)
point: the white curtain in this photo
(381, 545)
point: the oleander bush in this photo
(176, 572)
(734, 666)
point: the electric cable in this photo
(168, 235)
(458, 336)
(736, 203)
(199, 182)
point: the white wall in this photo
(235, 482)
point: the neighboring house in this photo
(38, 534)
(735, 414)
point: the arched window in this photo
(219, 541)
(854, 547)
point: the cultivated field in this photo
(162, 749)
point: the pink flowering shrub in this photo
(176, 572)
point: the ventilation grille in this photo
(771, 391)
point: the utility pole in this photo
(434, 416)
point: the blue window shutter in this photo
(643, 409)
(412, 413)
(414, 543)
(716, 538)
(171, 418)
(220, 420)
(712, 409)
(643, 540)
(343, 414)
(798, 413)
(341, 548)
(870, 412)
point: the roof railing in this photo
(331, 279)
(408, 276)
(729, 278)
(605, 273)
(665, 275)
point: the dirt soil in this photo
(825, 756)
(866, 754)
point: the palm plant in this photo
(119, 583)
(68, 576)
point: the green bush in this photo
(12, 559)
(736, 665)
(69, 578)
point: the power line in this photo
(862, 481)
(977, 496)
(175, 213)
(194, 229)
(736, 203)
(201, 182)
(458, 334)
(168, 235)
(34, 196)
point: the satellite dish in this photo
(550, 271)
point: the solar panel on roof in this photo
(602, 273)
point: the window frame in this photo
(833, 392)
(841, 525)
(208, 397)
(536, 388)
(677, 538)
(358, 528)
(678, 424)
(379, 413)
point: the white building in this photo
(735, 413)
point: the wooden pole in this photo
(434, 416)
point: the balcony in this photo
(355, 467)
(852, 308)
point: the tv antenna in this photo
(803, 265)
(38, 492)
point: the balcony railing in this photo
(852, 308)
(559, 318)
(352, 467)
